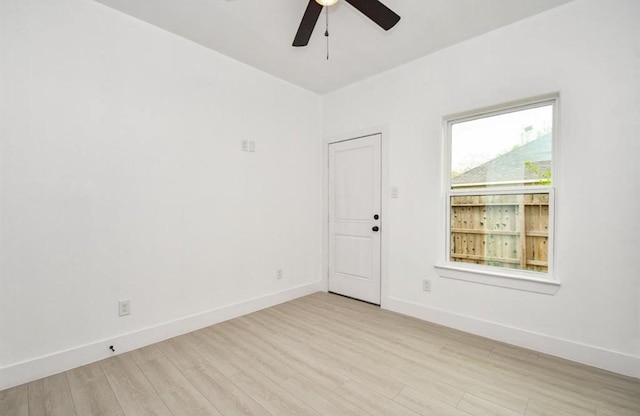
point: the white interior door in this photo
(355, 218)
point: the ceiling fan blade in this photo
(308, 23)
(376, 11)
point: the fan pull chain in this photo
(326, 32)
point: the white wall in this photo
(122, 178)
(589, 52)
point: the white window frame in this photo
(532, 281)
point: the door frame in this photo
(384, 205)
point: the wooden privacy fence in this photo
(509, 231)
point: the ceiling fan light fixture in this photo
(373, 9)
(326, 2)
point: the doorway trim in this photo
(384, 201)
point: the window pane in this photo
(506, 230)
(512, 149)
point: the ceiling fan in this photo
(373, 9)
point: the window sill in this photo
(499, 278)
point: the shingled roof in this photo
(519, 166)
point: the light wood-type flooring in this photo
(327, 355)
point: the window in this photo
(500, 196)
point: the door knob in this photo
(375, 217)
(376, 228)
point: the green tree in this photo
(544, 176)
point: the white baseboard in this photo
(26, 371)
(625, 364)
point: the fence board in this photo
(509, 231)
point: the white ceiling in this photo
(260, 32)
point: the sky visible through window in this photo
(478, 141)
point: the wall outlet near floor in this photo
(426, 285)
(244, 145)
(124, 307)
(279, 274)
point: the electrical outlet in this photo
(124, 307)
(252, 146)
(244, 145)
(279, 274)
(426, 285)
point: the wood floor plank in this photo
(387, 343)
(181, 352)
(177, 393)
(382, 320)
(272, 397)
(327, 356)
(360, 368)
(520, 381)
(298, 361)
(469, 350)
(91, 392)
(271, 319)
(148, 353)
(131, 387)
(590, 374)
(228, 398)
(560, 388)
(425, 404)
(516, 352)
(370, 401)
(536, 408)
(612, 410)
(557, 376)
(368, 335)
(500, 396)
(213, 353)
(437, 389)
(254, 355)
(356, 364)
(480, 407)
(50, 396)
(323, 401)
(14, 401)
(407, 367)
